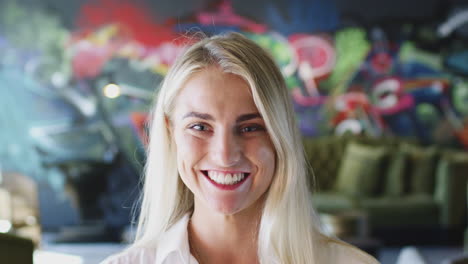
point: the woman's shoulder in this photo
(137, 255)
(342, 253)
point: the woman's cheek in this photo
(189, 149)
(266, 158)
(265, 149)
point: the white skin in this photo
(217, 127)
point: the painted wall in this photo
(345, 73)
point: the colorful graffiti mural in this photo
(341, 79)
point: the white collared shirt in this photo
(174, 249)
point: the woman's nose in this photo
(226, 149)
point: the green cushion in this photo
(394, 181)
(413, 210)
(328, 202)
(361, 169)
(451, 188)
(381, 141)
(323, 155)
(420, 170)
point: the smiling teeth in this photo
(226, 178)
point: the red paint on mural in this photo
(134, 17)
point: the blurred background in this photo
(380, 90)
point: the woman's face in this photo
(224, 153)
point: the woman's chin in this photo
(224, 205)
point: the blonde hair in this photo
(289, 231)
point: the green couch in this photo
(398, 183)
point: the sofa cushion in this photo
(361, 169)
(395, 176)
(413, 210)
(420, 168)
(451, 187)
(330, 202)
(324, 155)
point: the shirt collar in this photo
(174, 243)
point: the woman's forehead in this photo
(216, 91)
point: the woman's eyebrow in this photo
(198, 115)
(246, 117)
(204, 116)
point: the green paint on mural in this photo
(351, 47)
(460, 97)
(410, 53)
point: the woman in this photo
(225, 180)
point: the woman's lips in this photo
(226, 180)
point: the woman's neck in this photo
(218, 238)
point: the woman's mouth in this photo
(226, 180)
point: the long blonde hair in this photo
(289, 230)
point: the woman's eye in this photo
(199, 127)
(251, 128)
